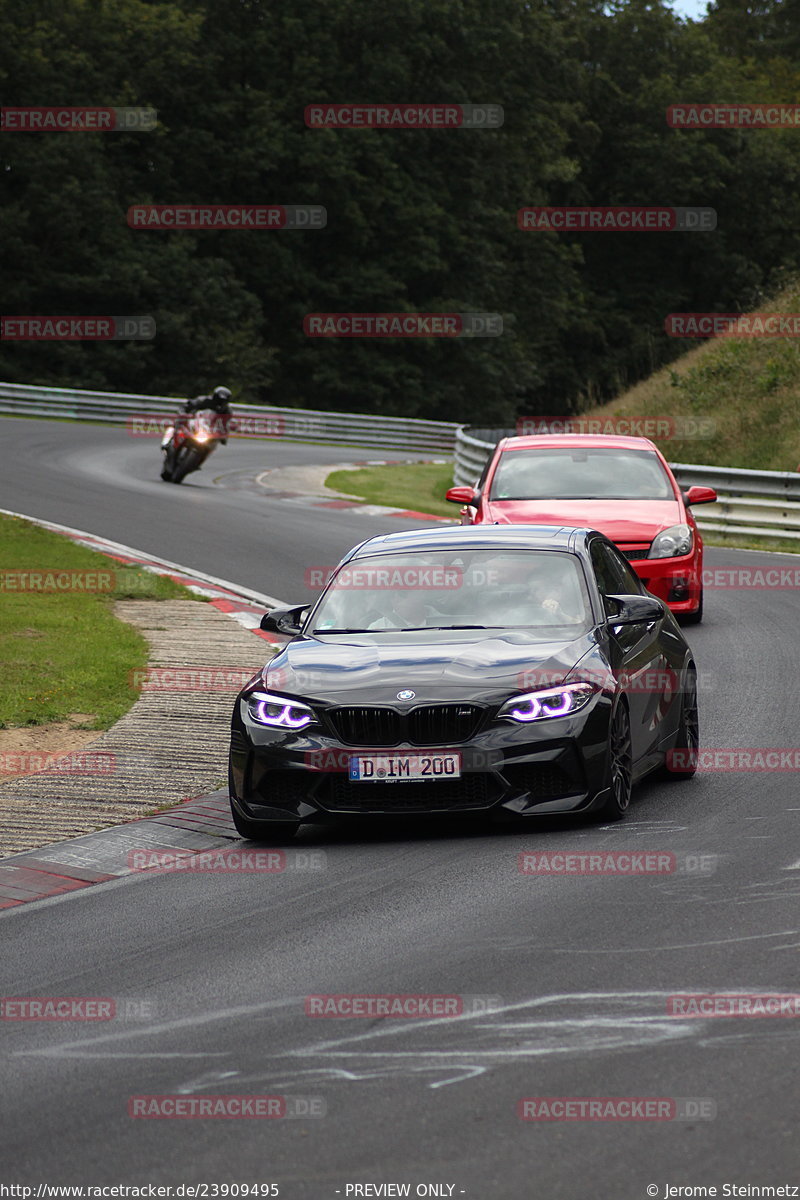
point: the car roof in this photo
(475, 537)
(556, 440)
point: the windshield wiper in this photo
(406, 629)
(417, 628)
(320, 629)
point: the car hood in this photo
(619, 520)
(437, 666)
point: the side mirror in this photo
(699, 495)
(634, 610)
(285, 620)
(461, 495)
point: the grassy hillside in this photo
(747, 389)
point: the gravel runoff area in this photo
(170, 746)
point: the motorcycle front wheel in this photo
(188, 460)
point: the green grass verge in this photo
(65, 652)
(419, 486)
(742, 542)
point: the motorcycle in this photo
(188, 442)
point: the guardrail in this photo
(756, 504)
(473, 447)
(119, 408)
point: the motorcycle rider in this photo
(218, 402)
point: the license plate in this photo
(394, 768)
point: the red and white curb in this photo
(199, 827)
(242, 604)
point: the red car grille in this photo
(635, 552)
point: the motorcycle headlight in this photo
(278, 711)
(202, 435)
(553, 702)
(672, 542)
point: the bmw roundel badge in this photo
(406, 694)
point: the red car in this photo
(620, 485)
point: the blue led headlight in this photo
(552, 702)
(278, 712)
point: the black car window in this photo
(614, 576)
(484, 473)
(630, 583)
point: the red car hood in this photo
(620, 520)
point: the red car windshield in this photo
(580, 473)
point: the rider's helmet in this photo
(221, 397)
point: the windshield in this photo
(475, 589)
(580, 473)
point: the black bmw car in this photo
(511, 670)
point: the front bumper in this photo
(676, 581)
(511, 770)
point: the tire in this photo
(620, 766)
(187, 461)
(271, 832)
(687, 740)
(168, 464)
(696, 617)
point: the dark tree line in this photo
(417, 220)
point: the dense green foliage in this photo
(417, 220)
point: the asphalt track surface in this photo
(210, 972)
